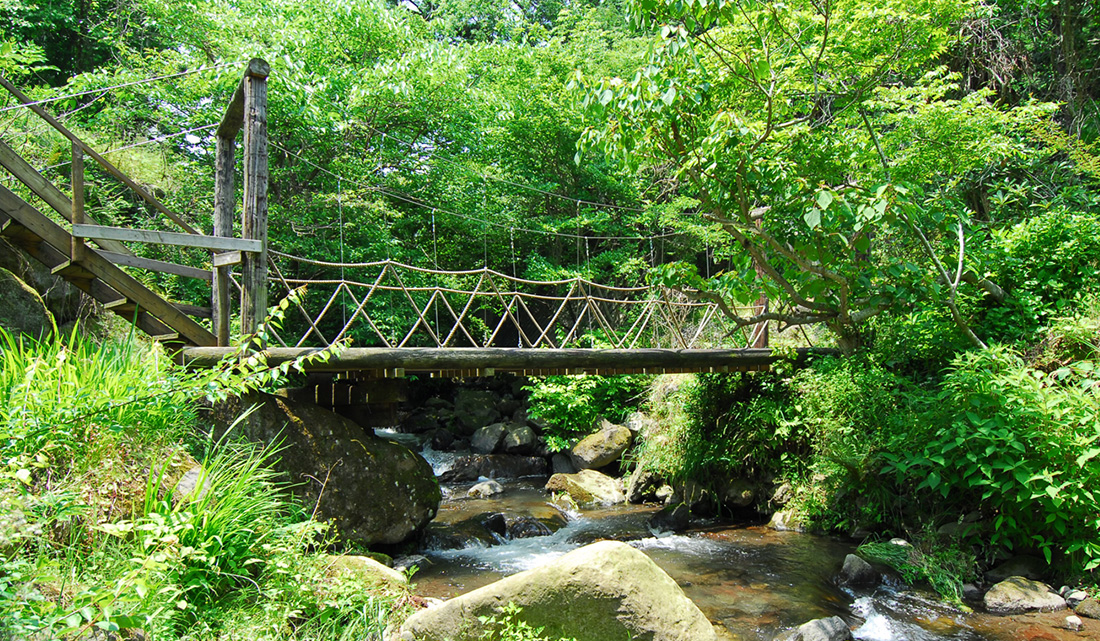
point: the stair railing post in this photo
(78, 248)
(254, 216)
(224, 205)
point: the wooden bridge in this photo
(476, 322)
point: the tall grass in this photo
(59, 394)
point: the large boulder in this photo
(63, 299)
(610, 591)
(494, 466)
(22, 310)
(365, 571)
(521, 439)
(1089, 607)
(671, 518)
(1029, 567)
(588, 487)
(602, 448)
(1017, 594)
(487, 439)
(373, 491)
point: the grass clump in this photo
(98, 534)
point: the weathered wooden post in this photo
(78, 247)
(254, 216)
(223, 226)
(247, 109)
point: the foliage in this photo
(1018, 448)
(572, 406)
(95, 533)
(945, 567)
(508, 625)
(714, 426)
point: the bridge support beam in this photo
(511, 359)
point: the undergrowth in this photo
(97, 532)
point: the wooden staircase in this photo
(96, 271)
(46, 241)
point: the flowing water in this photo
(752, 582)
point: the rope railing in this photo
(390, 304)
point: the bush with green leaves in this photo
(571, 406)
(1019, 447)
(713, 426)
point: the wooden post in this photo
(223, 226)
(761, 306)
(254, 216)
(78, 247)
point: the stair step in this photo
(21, 235)
(121, 306)
(72, 271)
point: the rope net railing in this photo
(393, 305)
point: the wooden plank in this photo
(158, 266)
(48, 192)
(194, 311)
(126, 285)
(428, 359)
(166, 238)
(225, 259)
(224, 199)
(103, 162)
(254, 216)
(72, 271)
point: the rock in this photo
(521, 439)
(436, 402)
(587, 487)
(496, 522)
(787, 521)
(602, 448)
(857, 573)
(609, 590)
(508, 406)
(1073, 596)
(375, 491)
(671, 518)
(562, 464)
(22, 310)
(739, 493)
(1029, 567)
(1089, 607)
(405, 564)
(366, 570)
(485, 489)
(63, 300)
(442, 440)
(830, 629)
(1017, 594)
(640, 424)
(525, 527)
(642, 485)
(494, 466)
(487, 439)
(1073, 623)
(664, 494)
(475, 409)
(782, 494)
(971, 593)
(188, 489)
(425, 420)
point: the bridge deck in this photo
(529, 362)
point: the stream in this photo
(752, 582)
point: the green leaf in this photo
(813, 218)
(824, 199)
(669, 96)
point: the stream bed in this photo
(753, 583)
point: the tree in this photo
(815, 135)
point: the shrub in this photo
(1020, 446)
(571, 406)
(712, 426)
